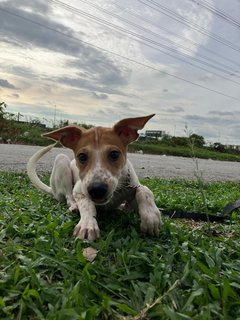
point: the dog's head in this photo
(100, 154)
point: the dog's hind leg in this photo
(61, 181)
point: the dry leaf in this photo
(90, 253)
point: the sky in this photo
(97, 62)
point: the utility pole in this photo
(18, 116)
(174, 131)
(54, 117)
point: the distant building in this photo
(155, 134)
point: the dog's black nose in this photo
(98, 191)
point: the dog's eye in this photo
(82, 157)
(114, 155)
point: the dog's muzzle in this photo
(98, 192)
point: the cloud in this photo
(5, 84)
(98, 68)
(83, 83)
(26, 72)
(215, 128)
(194, 119)
(99, 96)
(234, 131)
(175, 109)
(125, 109)
(201, 18)
(38, 110)
(14, 95)
(90, 68)
(40, 6)
(88, 84)
(222, 113)
(28, 34)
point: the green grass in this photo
(192, 271)
(183, 151)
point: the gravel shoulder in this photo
(15, 157)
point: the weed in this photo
(197, 172)
(183, 274)
(182, 151)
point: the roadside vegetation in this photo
(192, 271)
(13, 130)
(162, 148)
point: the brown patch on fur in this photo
(97, 143)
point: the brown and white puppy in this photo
(100, 176)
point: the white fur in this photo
(124, 187)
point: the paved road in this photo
(15, 157)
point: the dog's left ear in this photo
(67, 136)
(127, 129)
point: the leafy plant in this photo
(186, 273)
(182, 151)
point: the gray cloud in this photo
(98, 72)
(14, 95)
(123, 105)
(235, 129)
(212, 121)
(83, 83)
(40, 6)
(196, 118)
(211, 127)
(22, 71)
(39, 110)
(175, 109)
(220, 118)
(123, 109)
(224, 113)
(24, 31)
(99, 96)
(5, 84)
(98, 68)
(110, 115)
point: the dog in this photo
(100, 176)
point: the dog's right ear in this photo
(67, 136)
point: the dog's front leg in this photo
(87, 227)
(149, 213)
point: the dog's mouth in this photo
(101, 202)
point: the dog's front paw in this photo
(87, 229)
(151, 221)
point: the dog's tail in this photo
(31, 169)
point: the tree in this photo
(2, 112)
(166, 139)
(197, 140)
(218, 146)
(2, 115)
(180, 141)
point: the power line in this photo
(141, 28)
(144, 40)
(120, 56)
(177, 17)
(219, 13)
(68, 7)
(138, 16)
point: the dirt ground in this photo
(15, 157)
